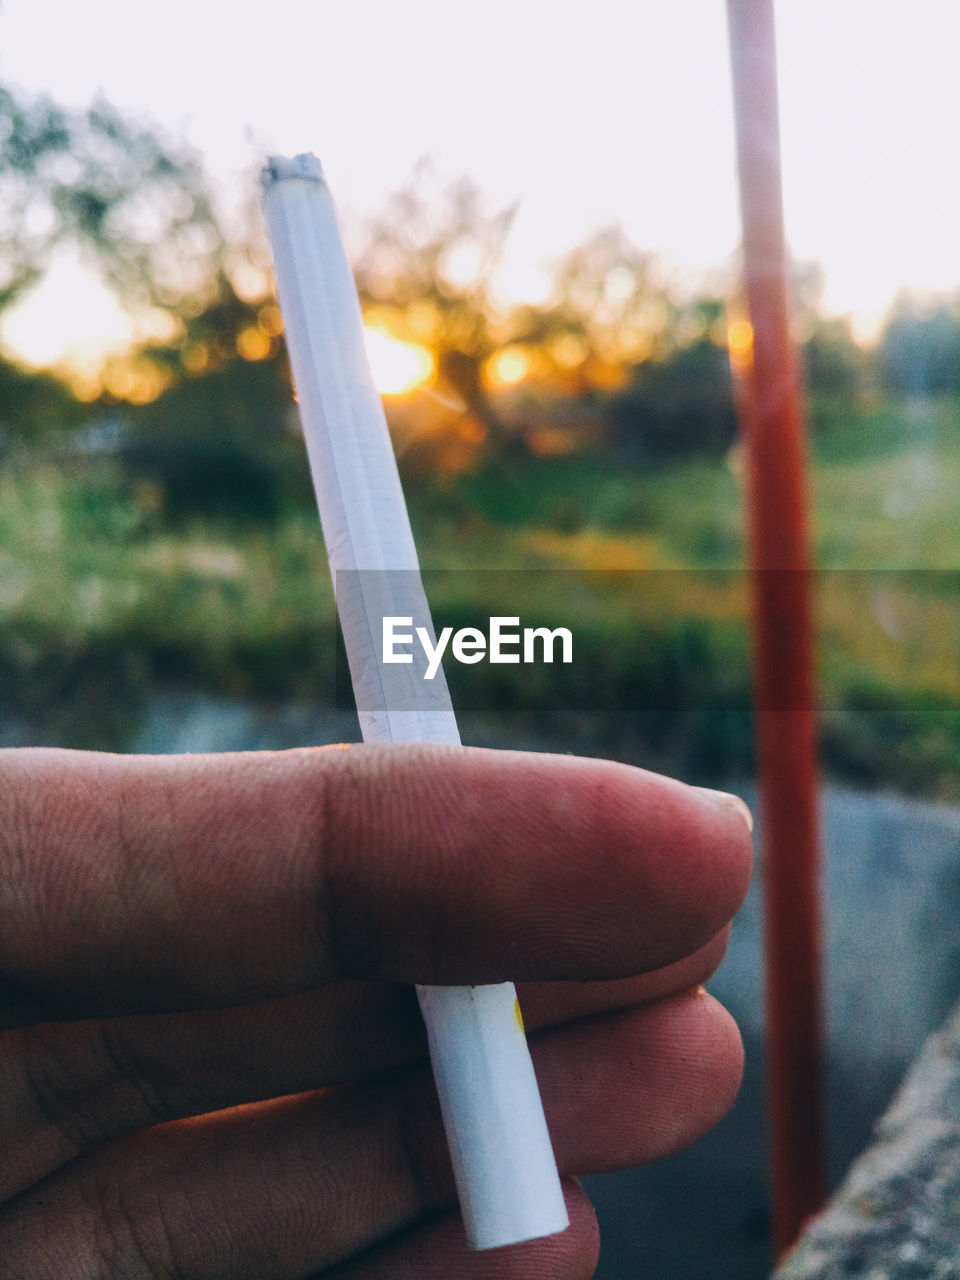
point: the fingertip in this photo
(738, 837)
(727, 800)
(585, 868)
(584, 1230)
(731, 1050)
(658, 841)
(728, 1054)
(715, 1040)
(630, 1087)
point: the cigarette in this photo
(503, 1162)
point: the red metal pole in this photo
(773, 437)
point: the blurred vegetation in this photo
(157, 523)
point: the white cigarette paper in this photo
(502, 1158)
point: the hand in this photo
(206, 1070)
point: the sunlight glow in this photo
(69, 316)
(254, 344)
(740, 346)
(568, 350)
(397, 367)
(137, 381)
(509, 366)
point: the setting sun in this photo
(397, 367)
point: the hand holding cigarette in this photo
(206, 1070)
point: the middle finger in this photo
(287, 1187)
(67, 1087)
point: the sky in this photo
(615, 110)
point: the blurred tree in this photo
(206, 399)
(130, 202)
(426, 272)
(611, 341)
(677, 406)
(920, 346)
(221, 445)
(136, 205)
(95, 179)
(606, 291)
(30, 401)
(834, 362)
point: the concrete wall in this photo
(897, 1214)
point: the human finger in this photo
(286, 1188)
(68, 1086)
(138, 883)
(438, 1251)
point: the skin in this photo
(211, 1066)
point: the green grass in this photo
(101, 598)
(885, 490)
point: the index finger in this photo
(142, 883)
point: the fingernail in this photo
(729, 802)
